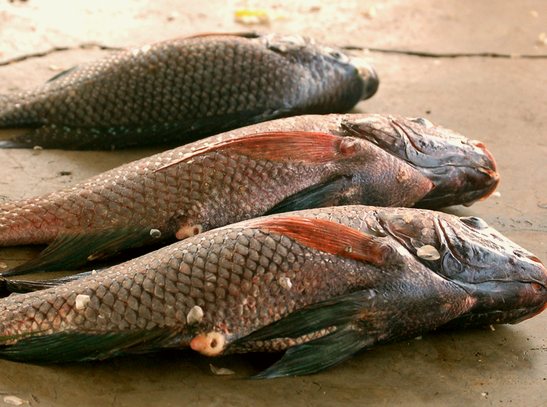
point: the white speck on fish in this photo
(428, 252)
(195, 315)
(285, 282)
(81, 301)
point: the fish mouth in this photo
(447, 194)
(491, 173)
(369, 77)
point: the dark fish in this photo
(266, 168)
(321, 284)
(181, 90)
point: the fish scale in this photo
(159, 291)
(149, 203)
(183, 89)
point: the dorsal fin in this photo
(330, 237)
(241, 34)
(280, 146)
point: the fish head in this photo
(461, 170)
(505, 282)
(340, 75)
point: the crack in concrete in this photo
(425, 54)
(84, 46)
(422, 54)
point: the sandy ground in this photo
(501, 101)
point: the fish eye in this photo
(474, 222)
(337, 55)
(422, 121)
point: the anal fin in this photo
(340, 313)
(311, 357)
(359, 320)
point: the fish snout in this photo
(368, 75)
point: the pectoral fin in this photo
(316, 355)
(69, 252)
(328, 193)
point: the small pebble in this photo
(251, 17)
(14, 401)
(370, 13)
(220, 371)
(172, 16)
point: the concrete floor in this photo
(500, 101)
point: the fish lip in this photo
(369, 77)
(491, 170)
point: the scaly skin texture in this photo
(181, 90)
(202, 192)
(209, 184)
(248, 275)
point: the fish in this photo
(285, 165)
(177, 91)
(319, 285)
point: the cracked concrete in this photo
(480, 93)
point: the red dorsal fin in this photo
(303, 146)
(329, 237)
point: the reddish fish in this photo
(322, 283)
(279, 166)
